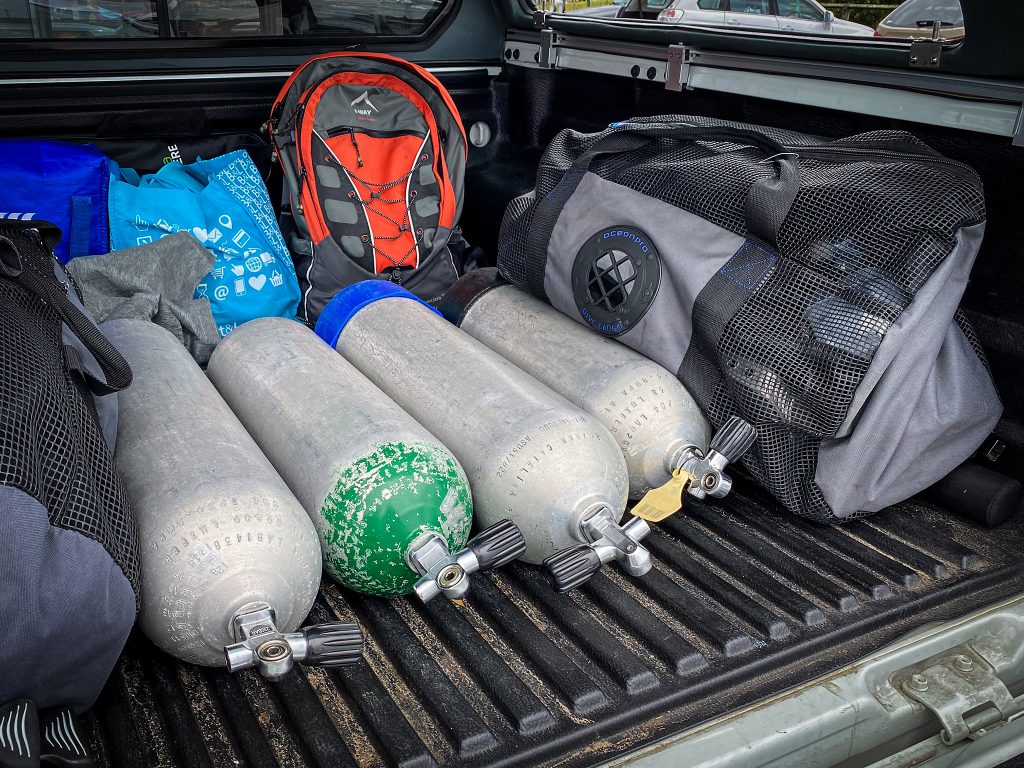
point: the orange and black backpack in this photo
(374, 155)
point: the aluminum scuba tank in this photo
(391, 504)
(530, 455)
(230, 560)
(656, 423)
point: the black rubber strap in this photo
(768, 201)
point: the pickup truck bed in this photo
(744, 601)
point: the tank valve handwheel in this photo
(607, 541)
(261, 645)
(445, 573)
(727, 447)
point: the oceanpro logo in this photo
(631, 236)
(615, 278)
(367, 109)
(609, 329)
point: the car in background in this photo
(609, 11)
(916, 18)
(801, 16)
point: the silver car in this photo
(801, 16)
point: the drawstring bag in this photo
(224, 204)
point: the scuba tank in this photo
(530, 455)
(656, 423)
(391, 504)
(230, 560)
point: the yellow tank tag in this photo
(659, 503)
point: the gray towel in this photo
(153, 282)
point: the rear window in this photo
(73, 19)
(922, 12)
(124, 19)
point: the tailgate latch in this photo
(677, 67)
(547, 58)
(962, 689)
(927, 53)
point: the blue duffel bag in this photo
(58, 182)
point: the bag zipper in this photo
(373, 134)
(846, 151)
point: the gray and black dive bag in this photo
(69, 560)
(810, 286)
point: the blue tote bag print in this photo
(225, 206)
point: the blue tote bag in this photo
(59, 182)
(223, 203)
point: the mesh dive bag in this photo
(808, 285)
(69, 559)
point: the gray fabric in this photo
(381, 109)
(427, 175)
(328, 176)
(329, 271)
(924, 405)
(352, 245)
(153, 282)
(692, 249)
(342, 212)
(74, 608)
(915, 326)
(426, 206)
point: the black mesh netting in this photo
(51, 446)
(876, 214)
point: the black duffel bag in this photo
(69, 559)
(808, 285)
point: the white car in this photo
(804, 16)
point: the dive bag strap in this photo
(43, 236)
(767, 204)
(81, 219)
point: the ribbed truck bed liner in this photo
(743, 601)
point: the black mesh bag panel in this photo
(51, 446)
(876, 214)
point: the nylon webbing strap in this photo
(76, 367)
(769, 201)
(715, 305)
(550, 206)
(81, 219)
(39, 236)
(767, 205)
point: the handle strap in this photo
(115, 368)
(767, 204)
